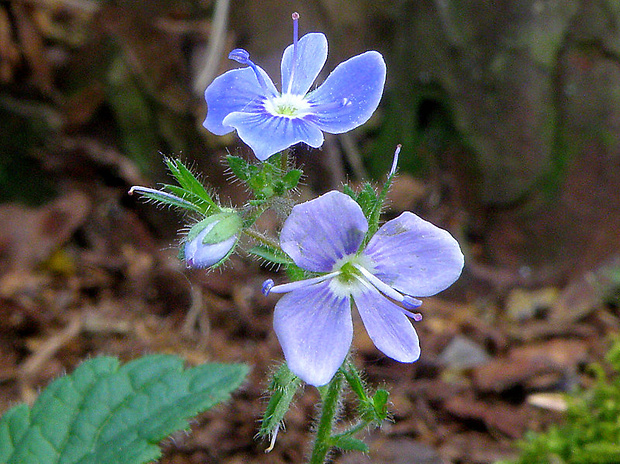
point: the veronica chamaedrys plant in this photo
(406, 257)
(269, 121)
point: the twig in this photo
(217, 39)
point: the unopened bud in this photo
(212, 240)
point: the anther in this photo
(242, 56)
(267, 286)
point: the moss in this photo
(591, 431)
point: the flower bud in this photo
(212, 240)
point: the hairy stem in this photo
(330, 398)
(262, 239)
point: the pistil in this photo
(295, 17)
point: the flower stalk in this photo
(330, 403)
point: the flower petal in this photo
(388, 327)
(350, 94)
(235, 90)
(414, 256)
(315, 331)
(319, 232)
(311, 57)
(267, 134)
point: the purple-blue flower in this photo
(246, 99)
(406, 257)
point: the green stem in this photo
(284, 157)
(330, 399)
(262, 239)
(352, 430)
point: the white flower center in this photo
(288, 105)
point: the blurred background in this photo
(509, 117)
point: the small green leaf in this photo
(348, 443)
(106, 414)
(349, 191)
(354, 380)
(204, 206)
(380, 400)
(241, 168)
(367, 199)
(168, 199)
(291, 178)
(188, 181)
(282, 387)
(270, 254)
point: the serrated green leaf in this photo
(270, 254)
(106, 414)
(348, 443)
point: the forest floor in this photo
(89, 274)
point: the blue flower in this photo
(407, 256)
(269, 121)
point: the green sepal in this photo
(368, 201)
(349, 191)
(241, 168)
(174, 200)
(348, 443)
(266, 180)
(188, 181)
(283, 387)
(229, 223)
(270, 254)
(200, 204)
(295, 273)
(355, 381)
(291, 178)
(379, 402)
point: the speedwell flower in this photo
(406, 257)
(269, 121)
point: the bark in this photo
(533, 88)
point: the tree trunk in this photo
(533, 87)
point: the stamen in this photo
(243, 57)
(268, 286)
(395, 162)
(407, 301)
(295, 17)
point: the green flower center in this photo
(287, 105)
(348, 273)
